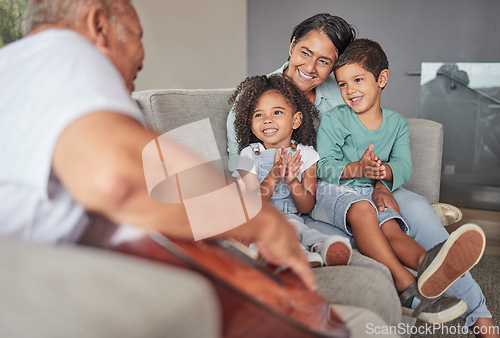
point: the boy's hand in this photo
(371, 166)
(293, 166)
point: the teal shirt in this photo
(327, 97)
(342, 138)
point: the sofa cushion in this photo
(168, 109)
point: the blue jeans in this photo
(333, 202)
(306, 236)
(425, 228)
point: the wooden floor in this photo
(489, 221)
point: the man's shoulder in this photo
(51, 44)
(64, 39)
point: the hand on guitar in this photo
(277, 242)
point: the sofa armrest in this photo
(426, 144)
(76, 291)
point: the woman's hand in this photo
(383, 198)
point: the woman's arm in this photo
(232, 142)
(383, 198)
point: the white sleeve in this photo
(309, 156)
(246, 162)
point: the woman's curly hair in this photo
(248, 93)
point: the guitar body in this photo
(256, 301)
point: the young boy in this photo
(359, 144)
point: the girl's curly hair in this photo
(248, 93)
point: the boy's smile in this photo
(274, 120)
(359, 88)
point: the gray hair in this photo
(69, 12)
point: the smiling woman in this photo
(311, 61)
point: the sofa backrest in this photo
(167, 109)
(426, 146)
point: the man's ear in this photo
(297, 120)
(97, 27)
(383, 78)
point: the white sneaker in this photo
(335, 250)
(313, 258)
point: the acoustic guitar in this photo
(257, 299)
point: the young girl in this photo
(275, 129)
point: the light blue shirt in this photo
(327, 97)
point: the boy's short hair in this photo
(365, 52)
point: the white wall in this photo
(193, 43)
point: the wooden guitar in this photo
(257, 299)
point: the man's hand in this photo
(278, 244)
(383, 198)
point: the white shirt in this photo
(47, 81)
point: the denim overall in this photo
(282, 199)
(263, 161)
